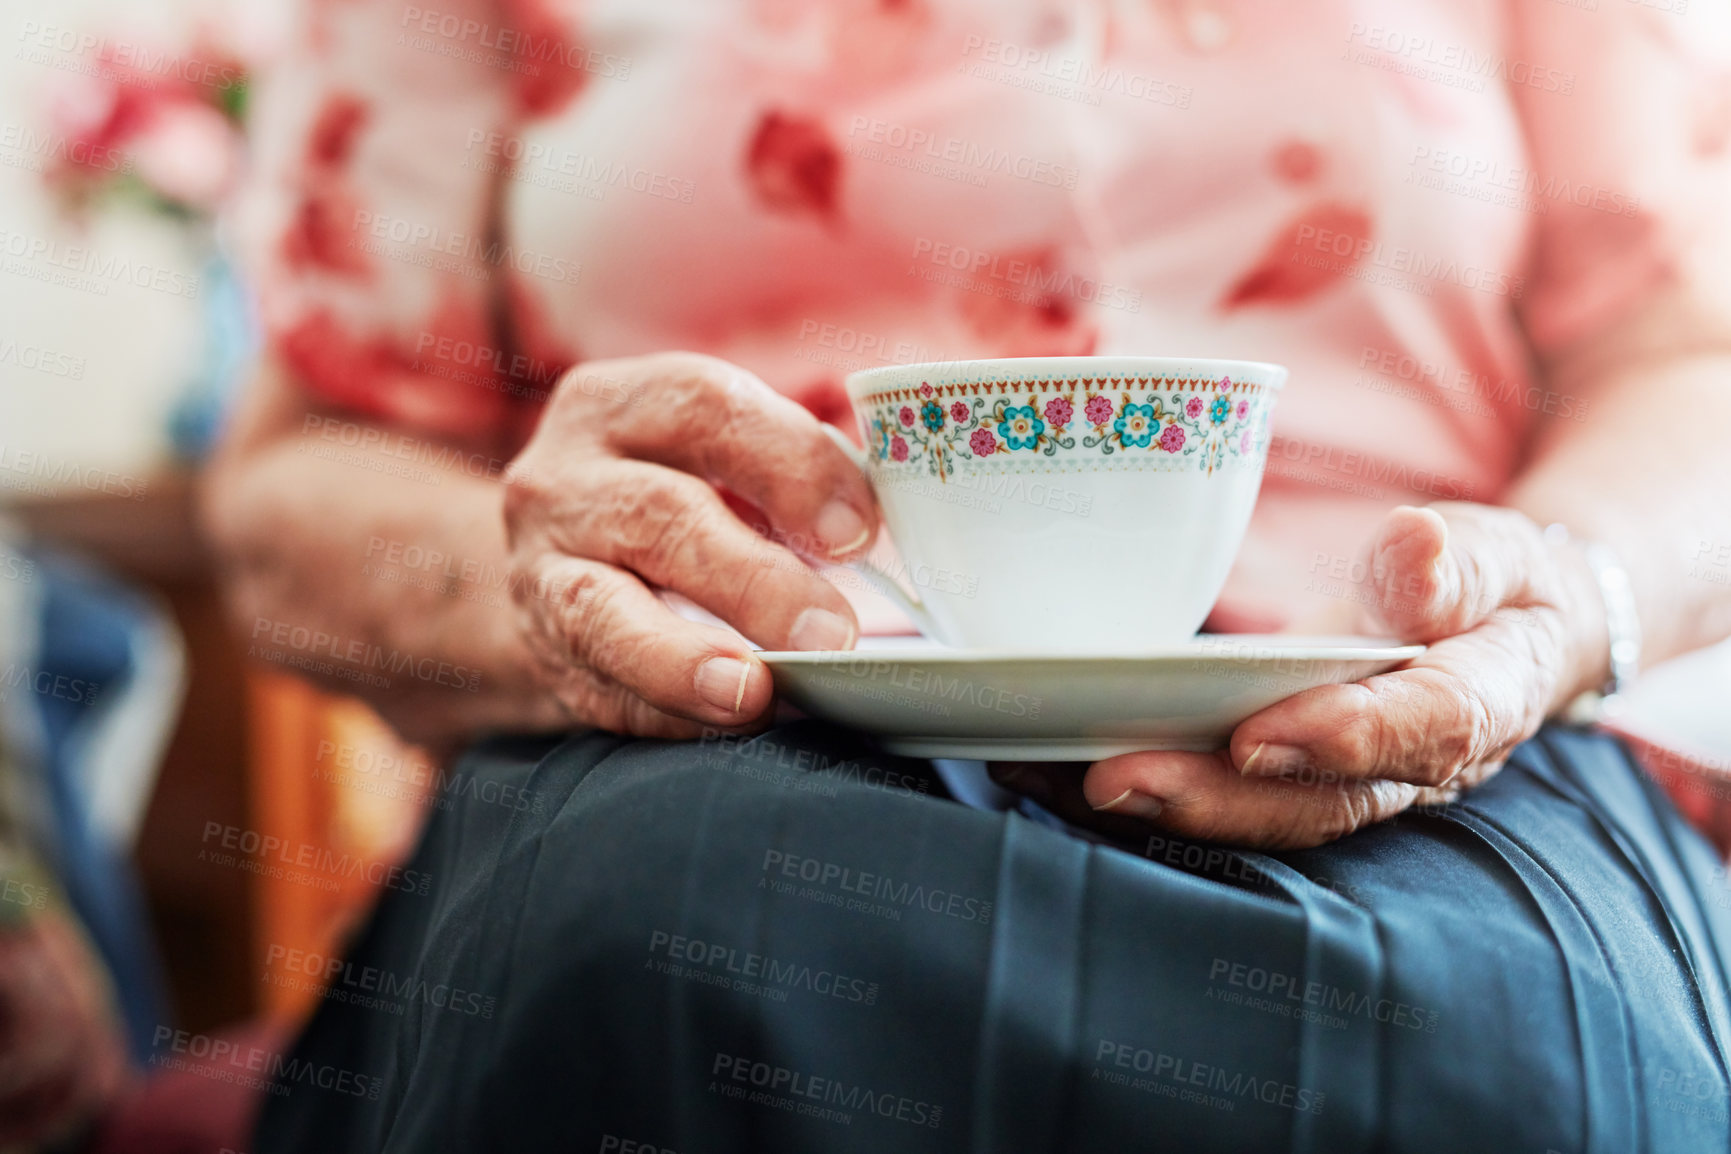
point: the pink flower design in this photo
(190, 153)
(921, 430)
(925, 388)
(1224, 383)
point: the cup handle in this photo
(905, 601)
(908, 603)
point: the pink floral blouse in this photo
(1405, 201)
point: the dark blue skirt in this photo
(800, 944)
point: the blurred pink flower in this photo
(189, 153)
(95, 117)
(179, 138)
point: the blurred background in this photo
(151, 763)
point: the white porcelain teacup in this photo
(1064, 504)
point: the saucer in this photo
(922, 699)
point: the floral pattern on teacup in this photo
(1199, 423)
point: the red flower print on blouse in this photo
(1310, 254)
(384, 376)
(1297, 162)
(824, 398)
(553, 65)
(320, 233)
(331, 142)
(793, 165)
(1030, 323)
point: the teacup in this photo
(1064, 504)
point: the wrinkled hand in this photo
(616, 497)
(1515, 629)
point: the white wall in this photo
(134, 347)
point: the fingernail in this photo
(1133, 804)
(841, 527)
(820, 629)
(721, 682)
(1274, 761)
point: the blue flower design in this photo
(1136, 426)
(1220, 409)
(932, 416)
(1020, 427)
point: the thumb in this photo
(1436, 572)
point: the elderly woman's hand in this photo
(1515, 628)
(615, 497)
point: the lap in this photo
(797, 943)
